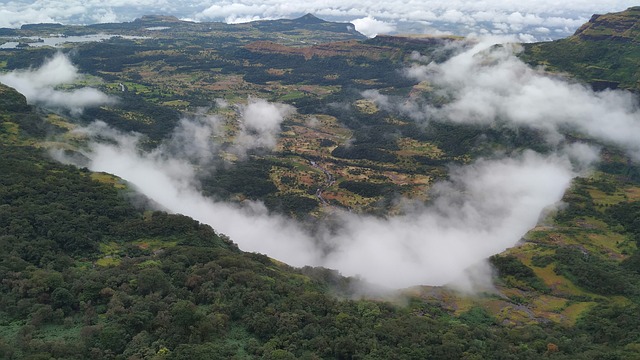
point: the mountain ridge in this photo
(623, 26)
(603, 52)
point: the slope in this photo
(603, 52)
(89, 275)
(86, 274)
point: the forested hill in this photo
(603, 52)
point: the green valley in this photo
(92, 268)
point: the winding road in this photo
(330, 180)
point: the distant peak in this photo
(309, 18)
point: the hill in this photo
(622, 26)
(603, 52)
(85, 273)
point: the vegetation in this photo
(603, 52)
(180, 290)
(86, 274)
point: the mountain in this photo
(307, 29)
(308, 22)
(622, 26)
(91, 268)
(603, 52)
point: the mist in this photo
(488, 85)
(260, 123)
(39, 86)
(482, 209)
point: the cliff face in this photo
(623, 26)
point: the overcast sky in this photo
(530, 20)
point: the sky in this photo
(529, 20)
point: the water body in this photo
(58, 41)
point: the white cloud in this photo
(165, 176)
(489, 85)
(39, 85)
(260, 125)
(371, 27)
(526, 38)
(484, 208)
(104, 16)
(455, 16)
(192, 140)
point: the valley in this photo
(377, 157)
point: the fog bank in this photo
(39, 86)
(483, 209)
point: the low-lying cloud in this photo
(483, 209)
(39, 85)
(260, 123)
(488, 85)
(191, 139)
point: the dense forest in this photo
(86, 274)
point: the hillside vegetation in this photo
(85, 274)
(91, 269)
(603, 52)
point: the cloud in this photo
(193, 140)
(260, 125)
(39, 85)
(416, 56)
(484, 208)
(371, 27)
(170, 181)
(235, 12)
(461, 17)
(489, 85)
